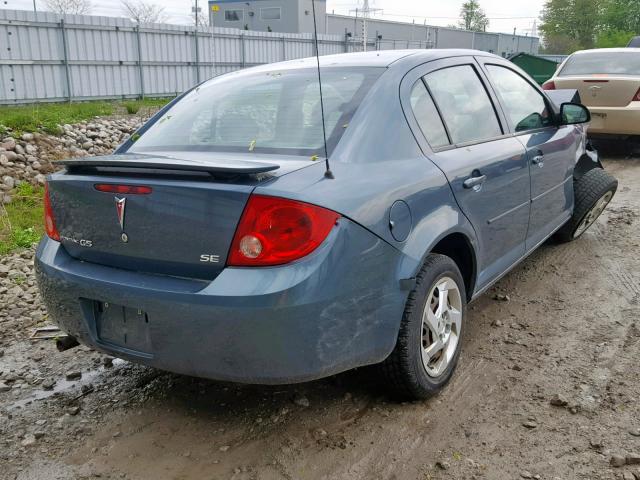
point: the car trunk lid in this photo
(602, 90)
(181, 224)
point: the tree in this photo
(144, 12)
(472, 17)
(570, 24)
(621, 16)
(72, 7)
(203, 17)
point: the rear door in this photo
(551, 149)
(454, 119)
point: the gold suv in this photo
(608, 80)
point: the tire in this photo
(593, 192)
(406, 372)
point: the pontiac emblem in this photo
(594, 90)
(120, 204)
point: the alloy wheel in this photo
(441, 326)
(593, 214)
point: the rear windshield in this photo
(611, 63)
(262, 112)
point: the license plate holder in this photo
(122, 326)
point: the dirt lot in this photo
(548, 387)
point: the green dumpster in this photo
(539, 68)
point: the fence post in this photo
(140, 72)
(66, 59)
(284, 48)
(243, 53)
(346, 41)
(195, 36)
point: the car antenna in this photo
(328, 173)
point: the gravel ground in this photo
(548, 387)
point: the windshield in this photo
(262, 112)
(603, 62)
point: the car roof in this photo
(611, 50)
(381, 58)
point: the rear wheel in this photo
(430, 337)
(593, 192)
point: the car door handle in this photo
(538, 160)
(474, 182)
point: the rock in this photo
(224, 448)
(27, 137)
(8, 144)
(1, 353)
(526, 474)
(319, 433)
(48, 384)
(107, 362)
(596, 443)
(633, 459)
(73, 375)
(301, 400)
(497, 323)
(30, 149)
(628, 476)
(443, 465)
(501, 297)
(75, 410)
(634, 431)
(29, 439)
(558, 401)
(4, 387)
(617, 461)
(530, 424)
(9, 181)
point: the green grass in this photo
(47, 116)
(21, 221)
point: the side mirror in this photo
(574, 113)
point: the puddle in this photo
(63, 385)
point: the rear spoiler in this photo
(235, 167)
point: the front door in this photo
(551, 150)
(487, 170)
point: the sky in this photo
(504, 15)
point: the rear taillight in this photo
(49, 220)
(274, 231)
(636, 97)
(549, 85)
(122, 189)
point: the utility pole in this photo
(366, 13)
(35, 10)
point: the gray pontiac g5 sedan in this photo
(215, 242)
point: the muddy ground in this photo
(548, 387)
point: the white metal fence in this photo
(48, 58)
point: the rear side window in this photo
(603, 62)
(464, 104)
(427, 116)
(524, 105)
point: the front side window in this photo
(270, 13)
(464, 104)
(427, 116)
(233, 15)
(268, 112)
(524, 105)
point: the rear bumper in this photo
(616, 120)
(338, 308)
